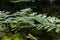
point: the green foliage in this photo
(27, 19)
(48, 23)
(29, 25)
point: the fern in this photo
(26, 19)
(48, 23)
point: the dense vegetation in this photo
(29, 20)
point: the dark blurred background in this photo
(50, 7)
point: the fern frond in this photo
(26, 19)
(48, 23)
